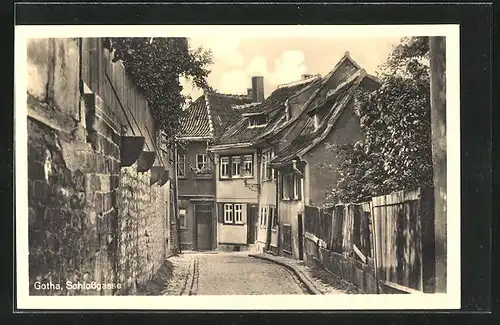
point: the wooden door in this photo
(251, 224)
(300, 231)
(203, 227)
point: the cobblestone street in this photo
(229, 274)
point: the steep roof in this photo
(273, 106)
(308, 138)
(322, 84)
(209, 115)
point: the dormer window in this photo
(259, 120)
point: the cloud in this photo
(288, 68)
(258, 66)
(225, 50)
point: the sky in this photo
(282, 60)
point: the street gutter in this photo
(310, 287)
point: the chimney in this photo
(250, 93)
(258, 89)
(306, 76)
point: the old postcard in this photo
(237, 167)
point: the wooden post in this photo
(374, 244)
(176, 201)
(437, 47)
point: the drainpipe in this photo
(294, 164)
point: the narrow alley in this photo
(220, 273)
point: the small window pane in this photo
(224, 167)
(248, 165)
(236, 166)
(228, 213)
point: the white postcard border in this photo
(450, 300)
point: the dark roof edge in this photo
(331, 121)
(221, 147)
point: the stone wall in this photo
(90, 218)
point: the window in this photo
(248, 165)
(182, 219)
(291, 187)
(296, 186)
(181, 165)
(236, 166)
(273, 217)
(285, 187)
(267, 171)
(232, 213)
(228, 213)
(224, 167)
(238, 213)
(201, 161)
(236, 161)
(257, 120)
(263, 216)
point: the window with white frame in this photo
(236, 163)
(248, 166)
(182, 219)
(224, 167)
(181, 165)
(201, 161)
(236, 166)
(228, 213)
(267, 171)
(263, 216)
(238, 213)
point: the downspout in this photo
(278, 215)
(295, 169)
(215, 224)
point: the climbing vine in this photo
(395, 153)
(155, 65)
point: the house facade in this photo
(327, 118)
(203, 122)
(264, 165)
(245, 177)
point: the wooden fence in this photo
(392, 233)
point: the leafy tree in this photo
(395, 153)
(155, 65)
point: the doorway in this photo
(203, 213)
(252, 221)
(300, 236)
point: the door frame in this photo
(300, 230)
(210, 224)
(252, 222)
